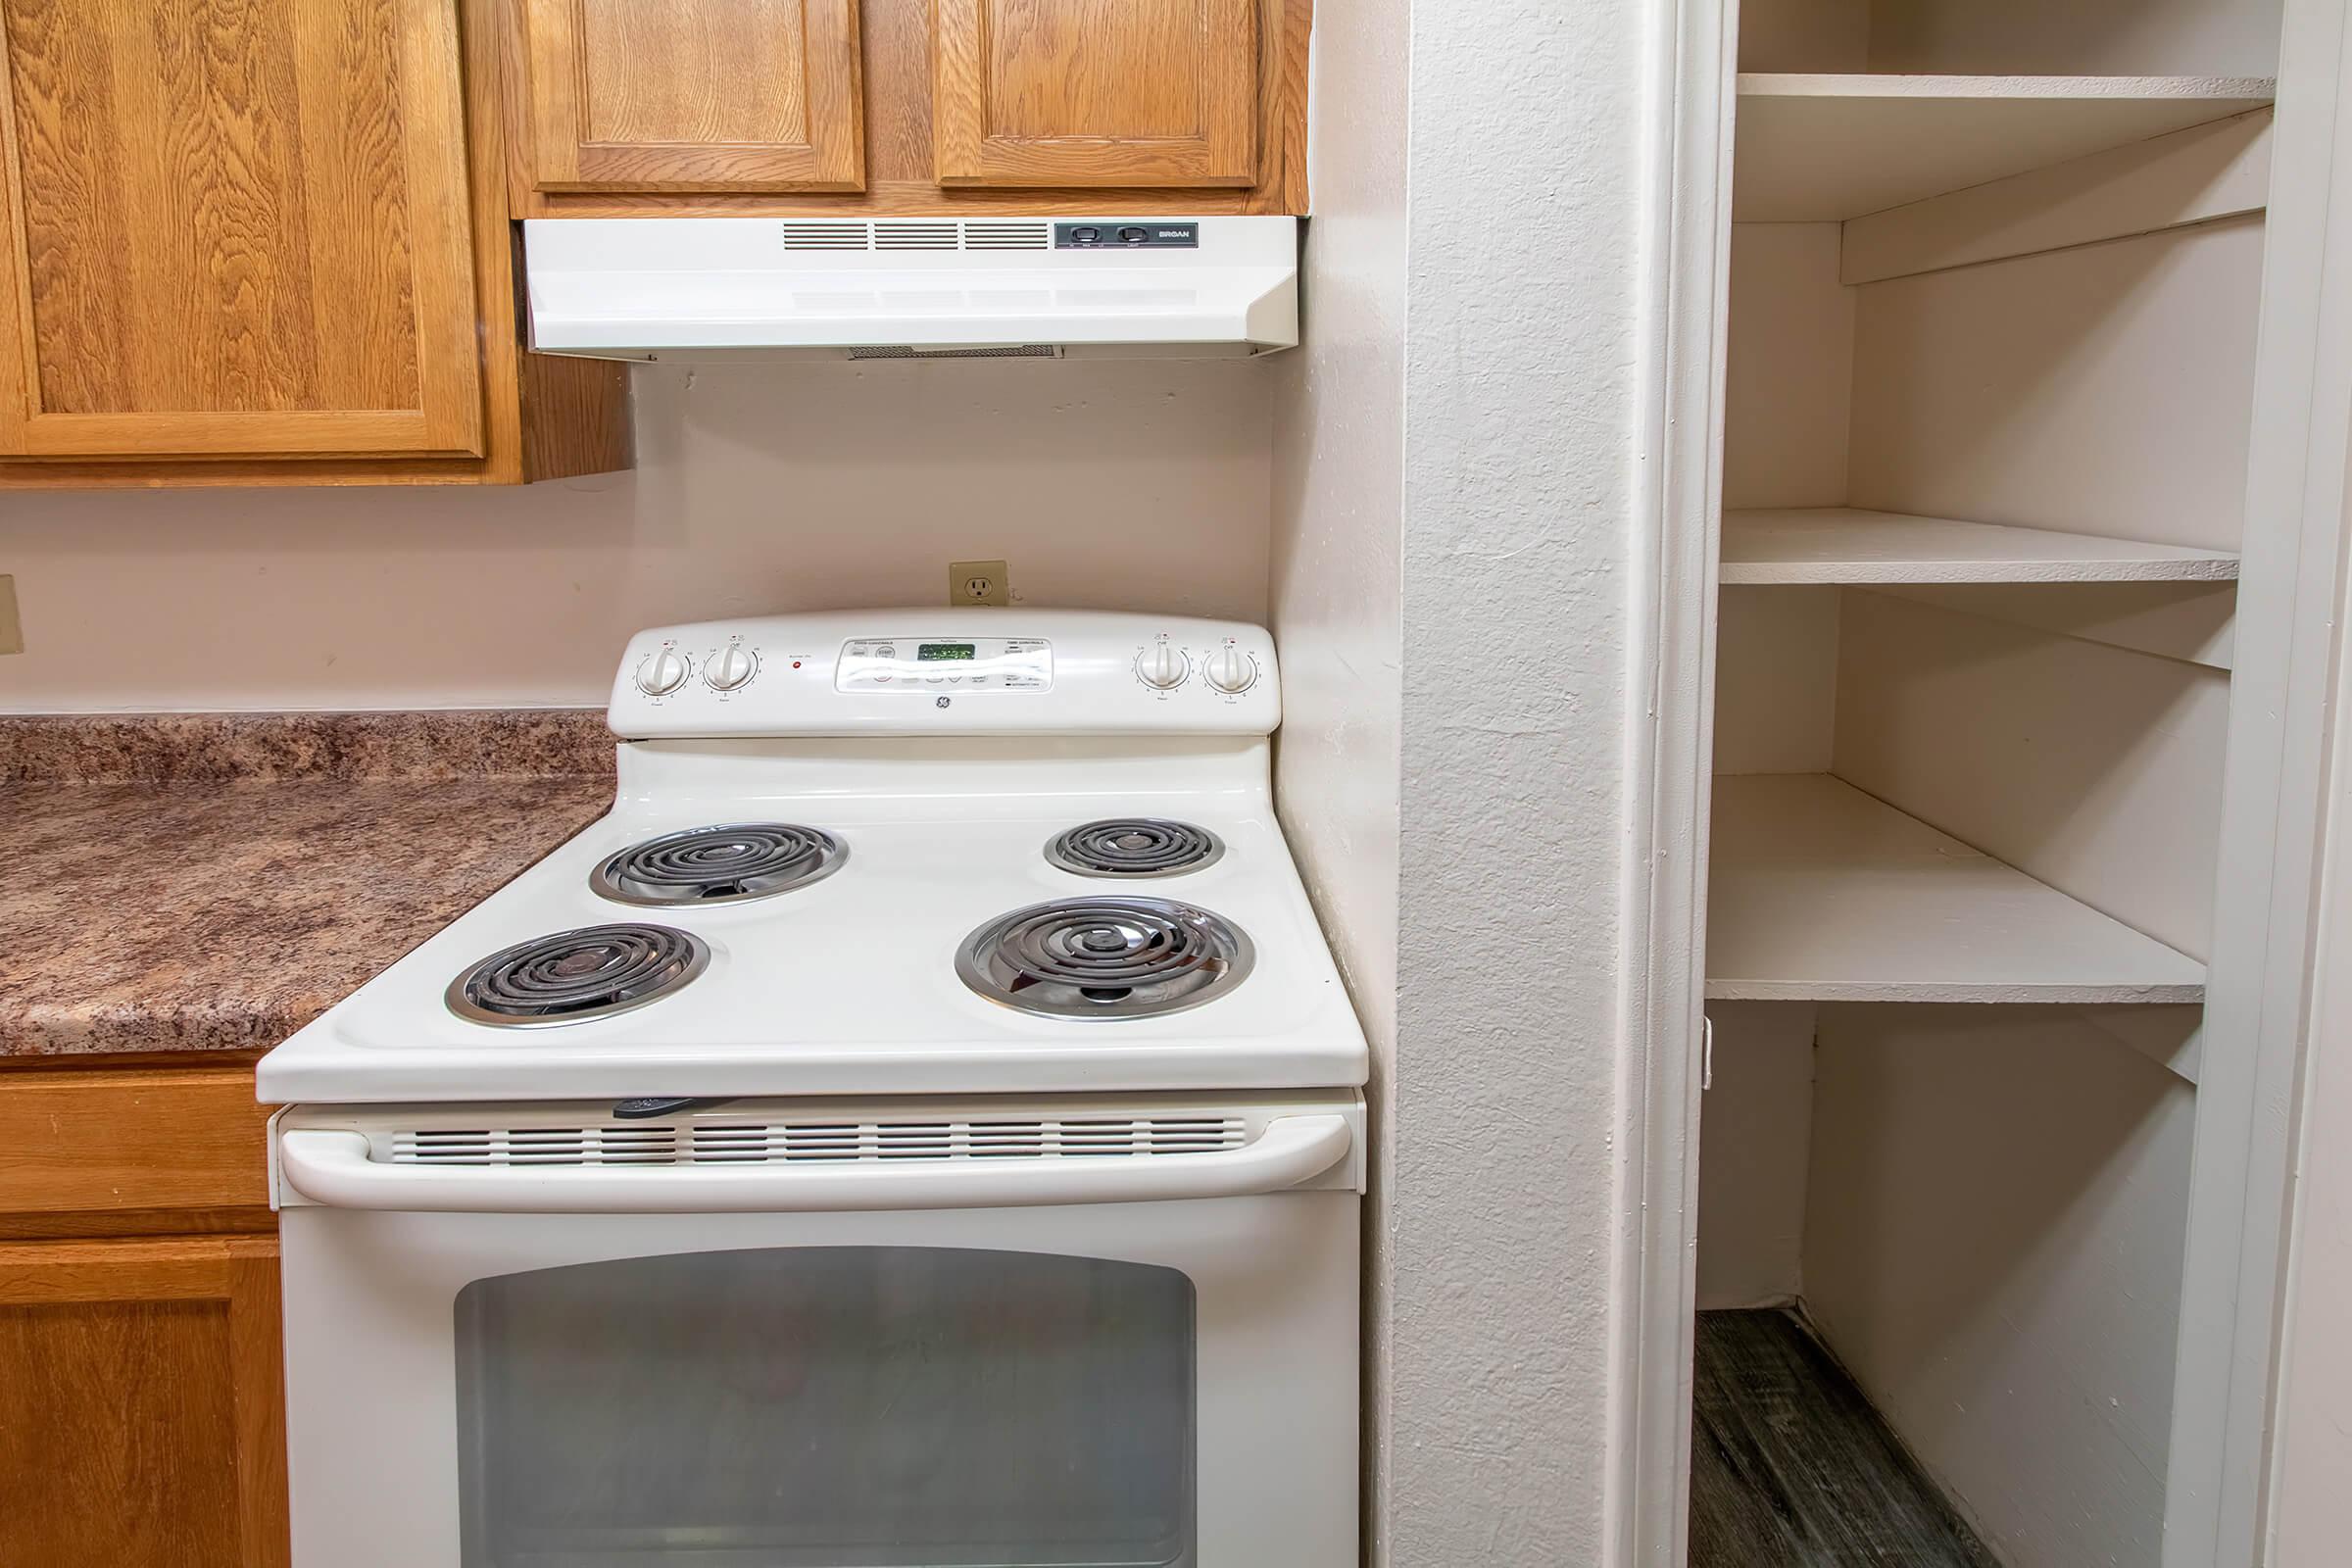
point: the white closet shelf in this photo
(1821, 893)
(1827, 148)
(1847, 545)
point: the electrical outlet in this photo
(979, 582)
(12, 631)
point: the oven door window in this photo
(828, 1408)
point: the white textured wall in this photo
(1526, 228)
(758, 488)
(1338, 500)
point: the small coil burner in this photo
(573, 976)
(724, 864)
(1135, 847)
(1104, 959)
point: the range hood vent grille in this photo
(828, 236)
(1005, 236)
(919, 235)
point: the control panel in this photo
(953, 671)
(910, 665)
(1131, 235)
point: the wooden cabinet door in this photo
(744, 95)
(142, 1406)
(1095, 92)
(234, 227)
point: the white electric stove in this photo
(919, 1125)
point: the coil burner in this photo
(1135, 847)
(728, 864)
(1104, 959)
(573, 976)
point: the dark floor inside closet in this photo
(1791, 1468)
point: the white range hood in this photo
(664, 288)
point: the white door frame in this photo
(1670, 760)
(2273, 814)
(2273, 819)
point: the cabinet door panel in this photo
(141, 1404)
(1095, 92)
(234, 227)
(168, 1149)
(695, 94)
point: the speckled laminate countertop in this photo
(190, 883)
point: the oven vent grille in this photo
(766, 1143)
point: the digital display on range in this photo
(925, 651)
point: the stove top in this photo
(831, 908)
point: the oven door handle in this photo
(331, 1167)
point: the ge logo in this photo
(941, 702)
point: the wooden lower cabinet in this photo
(142, 1412)
(142, 1403)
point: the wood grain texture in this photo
(574, 416)
(580, 420)
(897, 84)
(1095, 92)
(1791, 1468)
(114, 1143)
(141, 1404)
(234, 227)
(85, 1225)
(695, 94)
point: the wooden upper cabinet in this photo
(1095, 92)
(234, 227)
(688, 95)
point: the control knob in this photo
(661, 672)
(730, 668)
(1163, 667)
(1230, 670)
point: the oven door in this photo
(1125, 1359)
